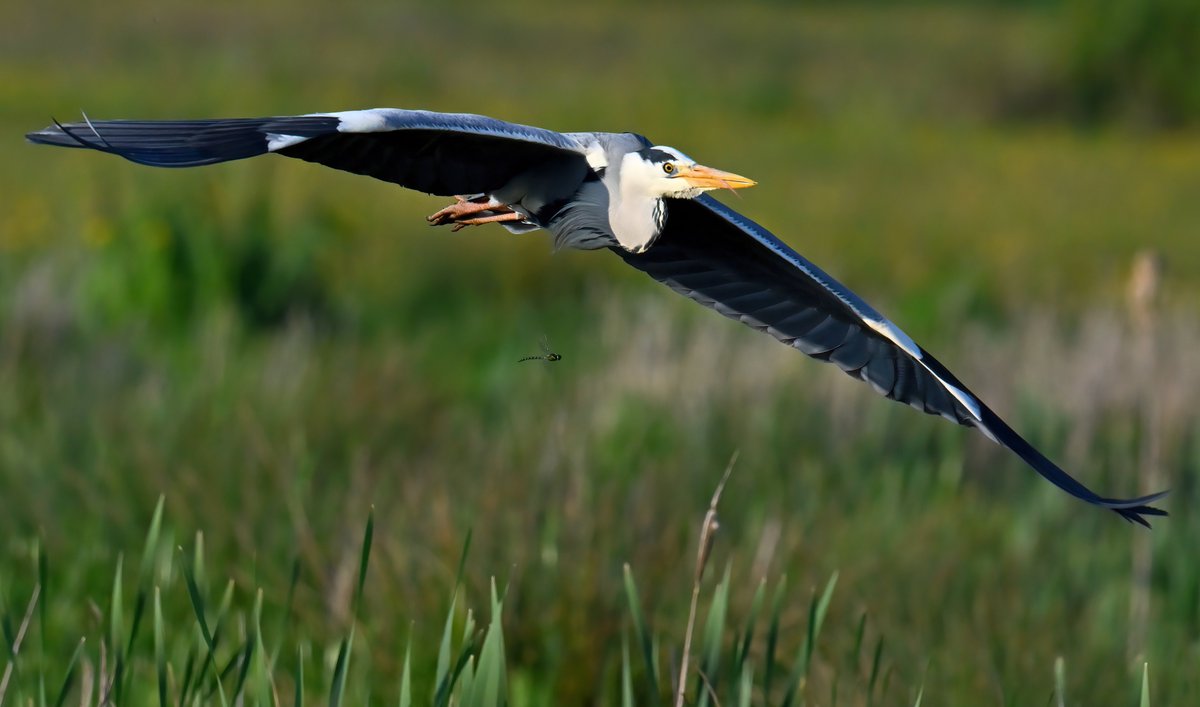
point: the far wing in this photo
(721, 259)
(437, 153)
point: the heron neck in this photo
(636, 220)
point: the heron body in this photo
(617, 191)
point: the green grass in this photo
(274, 349)
(219, 656)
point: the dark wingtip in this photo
(1131, 509)
(1134, 513)
(45, 136)
(61, 135)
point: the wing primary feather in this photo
(95, 132)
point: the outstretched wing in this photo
(437, 153)
(721, 259)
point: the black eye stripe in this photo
(656, 155)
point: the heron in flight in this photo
(619, 192)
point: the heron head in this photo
(667, 172)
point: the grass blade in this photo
(149, 554)
(247, 654)
(875, 662)
(643, 635)
(710, 647)
(6, 624)
(299, 698)
(189, 674)
(490, 682)
(69, 679)
(626, 673)
(743, 648)
(745, 685)
(218, 624)
(17, 641)
(859, 635)
(160, 650)
(773, 635)
(442, 674)
(466, 681)
(198, 609)
(263, 680)
(1060, 681)
(462, 560)
(42, 571)
(227, 671)
(285, 616)
(198, 572)
(816, 617)
(338, 689)
(116, 616)
(1145, 701)
(364, 559)
(468, 637)
(150, 548)
(443, 677)
(406, 675)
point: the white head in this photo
(662, 171)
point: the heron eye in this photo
(668, 167)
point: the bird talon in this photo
(466, 209)
(496, 216)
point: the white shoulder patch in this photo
(593, 151)
(371, 120)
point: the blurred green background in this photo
(276, 347)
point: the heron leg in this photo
(464, 208)
(508, 215)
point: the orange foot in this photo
(464, 208)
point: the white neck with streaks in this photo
(635, 212)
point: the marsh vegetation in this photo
(274, 349)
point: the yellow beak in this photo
(709, 178)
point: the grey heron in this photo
(646, 203)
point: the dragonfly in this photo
(546, 355)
